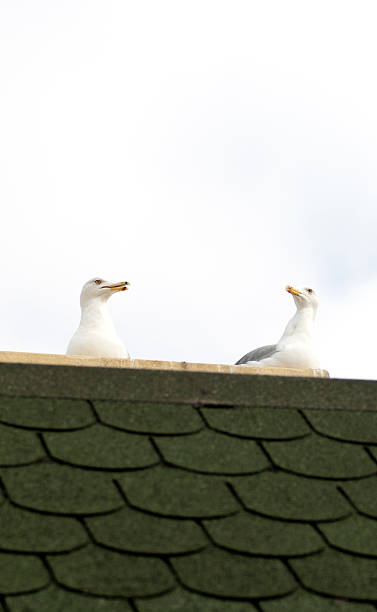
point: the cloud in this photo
(348, 333)
(209, 155)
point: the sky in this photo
(209, 152)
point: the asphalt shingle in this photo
(257, 423)
(211, 452)
(150, 417)
(40, 413)
(234, 576)
(54, 599)
(59, 489)
(185, 601)
(102, 447)
(373, 452)
(19, 447)
(21, 573)
(363, 494)
(345, 425)
(24, 531)
(172, 492)
(164, 386)
(256, 535)
(103, 572)
(157, 491)
(356, 534)
(303, 601)
(133, 531)
(338, 575)
(285, 496)
(322, 458)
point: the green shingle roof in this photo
(159, 491)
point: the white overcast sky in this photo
(209, 152)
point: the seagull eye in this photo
(98, 281)
(309, 290)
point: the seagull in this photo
(96, 336)
(295, 348)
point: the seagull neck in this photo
(95, 314)
(301, 323)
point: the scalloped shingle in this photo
(171, 491)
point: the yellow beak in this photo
(292, 290)
(123, 286)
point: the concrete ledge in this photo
(140, 364)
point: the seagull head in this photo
(304, 298)
(100, 289)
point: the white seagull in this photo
(96, 336)
(296, 348)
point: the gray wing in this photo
(258, 354)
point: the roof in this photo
(158, 491)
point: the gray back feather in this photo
(263, 352)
